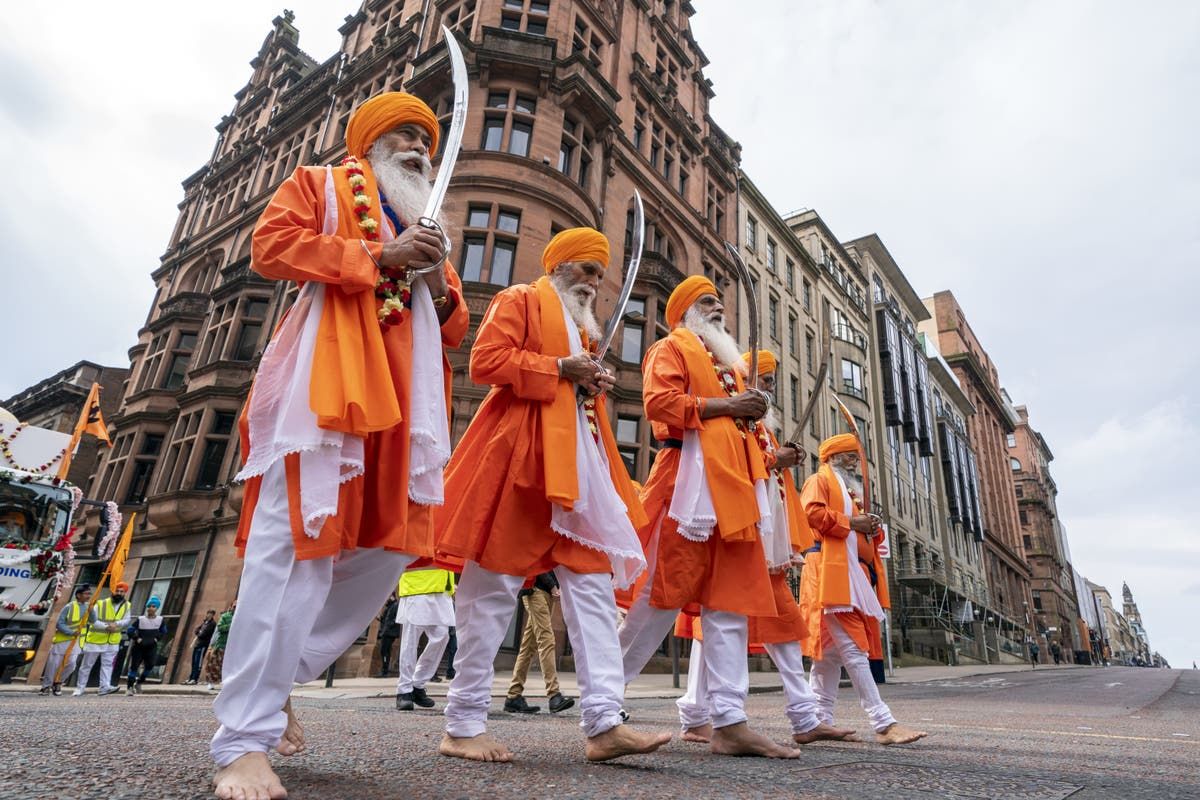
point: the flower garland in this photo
(729, 384)
(55, 563)
(6, 441)
(24, 478)
(109, 542)
(764, 442)
(394, 285)
(589, 412)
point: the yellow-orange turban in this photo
(385, 112)
(691, 289)
(575, 244)
(766, 362)
(842, 443)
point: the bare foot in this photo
(293, 736)
(474, 748)
(623, 741)
(250, 777)
(739, 740)
(700, 733)
(825, 733)
(898, 734)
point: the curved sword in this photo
(450, 148)
(862, 455)
(635, 261)
(752, 306)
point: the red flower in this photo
(394, 317)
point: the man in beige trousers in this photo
(539, 605)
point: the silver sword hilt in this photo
(433, 225)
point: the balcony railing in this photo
(848, 333)
(854, 391)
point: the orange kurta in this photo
(825, 580)
(374, 509)
(497, 510)
(728, 572)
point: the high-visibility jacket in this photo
(74, 611)
(107, 612)
(426, 581)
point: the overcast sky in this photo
(1038, 159)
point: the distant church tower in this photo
(1130, 609)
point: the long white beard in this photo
(718, 340)
(406, 191)
(851, 480)
(771, 419)
(578, 299)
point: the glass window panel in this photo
(147, 567)
(493, 134)
(536, 27)
(510, 22)
(247, 344)
(166, 566)
(187, 563)
(525, 104)
(497, 100)
(518, 143)
(631, 343)
(636, 305)
(177, 371)
(502, 261)
(256, 308)
(627, 429)
(478, 217)
(223, 422)
(187, 341)
(508, 221)
(539, 6)
(472, 263)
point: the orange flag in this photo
(116, 566)
(91, 420)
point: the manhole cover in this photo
(945, 783)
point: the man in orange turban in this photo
(843, 588)
(335, 423)
(704, 500)
(785, 537)
(537, 485)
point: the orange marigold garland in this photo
(393, 286)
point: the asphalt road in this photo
(1037, 735)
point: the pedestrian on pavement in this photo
(844, 589)
(109, 619)
(69, 631)
(215, 663)
(1056, 652)
(1034, 650)
(145, 633)
(200, 641)
(451, 652)
(426, 606)
(538, 600)
(537, 484)
(389, 631)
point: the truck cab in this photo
(35, 513)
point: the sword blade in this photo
(458, 123)
(752, 311)
(635, 261)
(862, 454)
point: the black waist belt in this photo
(870, 565)
(676, 443)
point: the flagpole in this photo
(84, 621)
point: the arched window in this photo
(1015, 464)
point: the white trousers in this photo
(801, 701)
(484, 607)
(726, 671)
(828, 671)
(58, 651)
(415, 672)
(106, 654)
(293, 619)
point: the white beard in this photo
(406, 191)
(771, 419)
(718, 340)
(852, 482)
(578, 299)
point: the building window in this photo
(215, 445)
(152, 361)
(460, 17)
(1024, 515)
(806, 295)
(793, 335)
(685, 166)
(180, 451)
(790, 276)
(639, 128)
(808, 351)
(115, 464)
(1020, 490)
(633, 331)
(254, 317)
(528, 16)
(852, 379)
(627, 442)
(773, 316)
(489, 244)
(167, 578)
(1015, 464)
(751, 233)
(143, 468)
(1011, 439)
(508, 122)
(586, 43)
(772, 256)
(714, 210)
(181, 354)
(1028, 540)
(252, 311)
(795, 397)
(575, 152)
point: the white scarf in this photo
(281, 422)
(862, 596)
(599, 518)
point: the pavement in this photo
(998, 734)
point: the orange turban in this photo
(691, 289)
(575, 244)
(766, 362)
(385, 112)
(842, 443)
(122, 587)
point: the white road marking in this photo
(1082, 728)
(1115, 683)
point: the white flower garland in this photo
(109, 542)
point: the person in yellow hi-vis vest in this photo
(69, 628)
(426, 606)
(110, 617)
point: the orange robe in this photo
(519, 451)
(373, 509)
(825, 580)
(728, 571)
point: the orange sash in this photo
(732, 462)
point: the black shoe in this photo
(56, 689)
(420, 698)
(404, 702)
(517, 705)
(449, 674)
(44, 690)
(559, 703)
(436, 679)
(624, 715)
